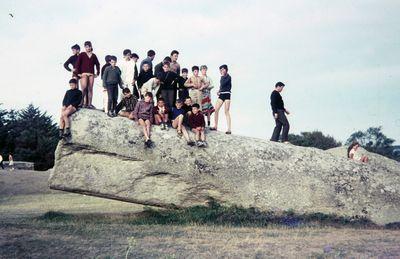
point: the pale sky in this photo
(338, 59)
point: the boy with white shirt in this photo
(127, 66)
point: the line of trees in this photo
(372, 139)
(29, 135)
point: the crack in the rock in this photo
(87, 149)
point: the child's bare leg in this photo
(202, 135)
(218, 106)
(148, 128)
(185, 134)
(68, 111)
(143, 124)
(180, 122)
(165, 118)
(131, 116)
(157, 119)
(90, 89)
(124, 114)
(228, 114)
(208, 117)
(84, 84)
(62, 123)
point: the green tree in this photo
(375, 141)
(314, 139)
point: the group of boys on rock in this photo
(181, 100)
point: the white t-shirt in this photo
(356, 154)
(127, 71)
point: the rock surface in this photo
(106, 158)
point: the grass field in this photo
(36, 222)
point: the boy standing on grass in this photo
(161, 114)
(278, 111)
(143, 114)
(178, 114)
(195, 83)
(71, 101)
(224, 97)
(128, 102)
(111, 80)
(197, 124)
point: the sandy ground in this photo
(101, 229)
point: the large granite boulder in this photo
(106, 158)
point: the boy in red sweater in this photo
(197, 124)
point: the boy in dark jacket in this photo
(278, 111)
(128, 102)
(111, 80)
(183, 91)
(72, 61)
(197, 124)
(71, 101)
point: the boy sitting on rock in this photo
(128, 102)
(197, 124)
(161, 114)
(71, 101)
(143, 114)
(178, 114)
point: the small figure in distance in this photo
(278, 111)
(11, 162)
(354, 154)
(71, 102)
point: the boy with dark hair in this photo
(127, 66)
(128, 102)
(105, 95)
(161, 114)
(144, 75)
(111, 80)
(197, 124)
(159, 67)
(144, 116)
(224, 97)
(136, 91)
(72, 61)
(278, 111)
(178, 115)
(174, 66)
(195, 83)
(152, 85)
(206, 105)
(72, 100)
(168, 86)
(183, 91)
(150, 57)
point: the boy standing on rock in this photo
(71, 101)
(278, 111)
(111, 80)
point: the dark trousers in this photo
(281, 122)
(112, 91)
(169, 96)
(1, 164)
(183, 94)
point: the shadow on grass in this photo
(216, 214)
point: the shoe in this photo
(162, 125)
(191, 143)
(213, 128)
(205, 144)
(228, 132)
(208, 123)
(91, 106)
(110, 114)
(114, 114)
(60, 133)
(147, 143)
(199, 143)
(165, 126)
